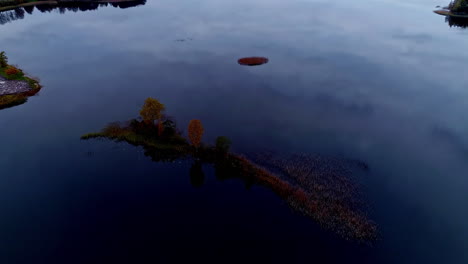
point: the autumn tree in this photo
(151, 110)
(195, 132)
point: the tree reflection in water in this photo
(197, 177)
(460, 22)
(62, 8)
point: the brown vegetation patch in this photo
(12, 70)
(252, 61)
(331, 209)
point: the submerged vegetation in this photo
(15, 86)
(326, 191)
(328, 198)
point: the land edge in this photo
(443, 12)
(54, 2)
(14, 99)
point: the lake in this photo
(383, 82)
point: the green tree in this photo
(169, 127)
(459, 6)
(3, 60)
(223, 144)
(151, 110)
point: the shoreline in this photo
(54, 2)
(17, 93)
(448, 13)
(7, 8)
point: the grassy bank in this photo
(167, 147)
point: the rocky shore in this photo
(13, 87)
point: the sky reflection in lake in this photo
(343, 80)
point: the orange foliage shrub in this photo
(195, 132)
(11, 70)
(160, 128)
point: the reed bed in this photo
(326, 197)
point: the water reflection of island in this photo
(457, 21)
(319, 188)
(63, 6)
(456, 13)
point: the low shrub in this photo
(223, 144)
(11, 70)
(13, 73)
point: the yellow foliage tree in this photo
(195, 132)
(151, 110)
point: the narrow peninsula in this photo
(308, 184)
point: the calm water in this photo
(380, 81)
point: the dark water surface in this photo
(380, 81)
